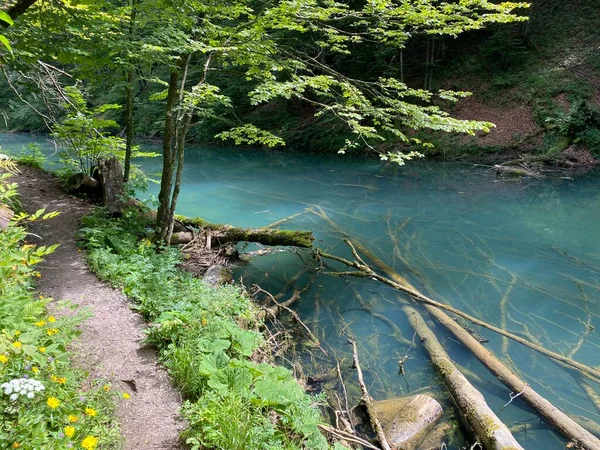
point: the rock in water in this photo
(407, 421)
(217, 275)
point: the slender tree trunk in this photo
(128, 125)
(402, 65)
(129, 101)
(187, 120)
(177, 124)
(166, 180)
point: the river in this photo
(520, 254)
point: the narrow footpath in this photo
(110, 344)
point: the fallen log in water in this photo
(578, 436)
(492, 433)
(223, 234)
(397, 281)
(515, 171)
(110, 186)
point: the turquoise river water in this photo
(520, 254)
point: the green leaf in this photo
(213, 362)
(235, 379)
(212, 345)
(5, 42)
(6, 18)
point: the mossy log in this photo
(183, 232)
(490, 430)
(227, 233)
(559, 420)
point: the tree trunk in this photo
(111, 182)
(129, 101)
(490, 430)
(563, 423)
(166, 180)
(128, 125)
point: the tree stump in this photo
(111, 183)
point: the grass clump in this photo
(208, 338)
(42, 402)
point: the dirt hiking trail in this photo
(110, 344)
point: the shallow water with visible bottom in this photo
(521, 254)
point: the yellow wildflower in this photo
(126, 396)
(51, 319)
(34, 369)
(3, 359)
(41, 323)
(89, 442)
(204, 322)
(37, 274)
(59, 380)
(17, 344)
(52, 331)
(42, 349)
(16, 445)
(106, 388)
(69, 431)
(72, 418)
(90, 412)
(17, 333)
(53, 402)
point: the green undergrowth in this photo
(208, 338)
(45, 402)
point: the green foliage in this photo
(208, 340)
(33, 157)
(590, 138)
(42, 403)
(4, 17)
(83, 135)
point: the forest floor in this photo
(111, 343)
